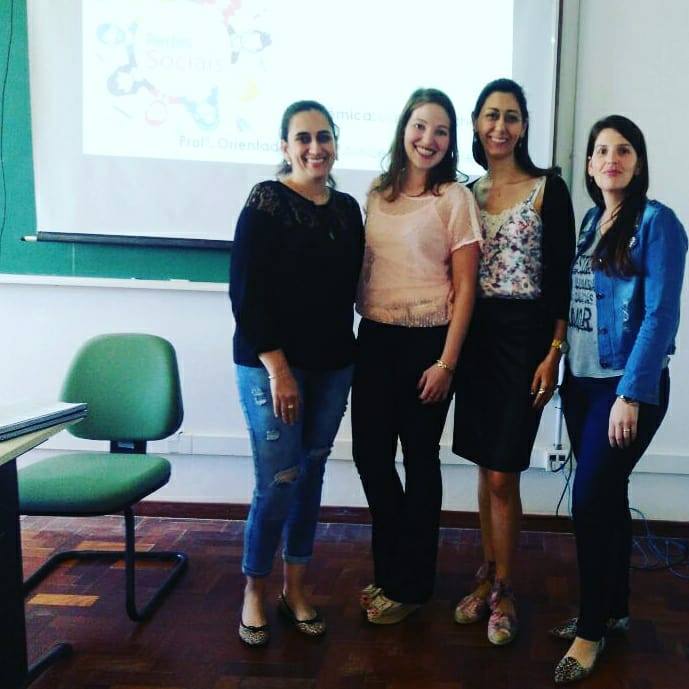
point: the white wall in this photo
(632, 59)
(210, 454)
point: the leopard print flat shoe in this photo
(568, 628)
(254, 636)
(314, 626)
(570, 670)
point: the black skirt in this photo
(495, 423)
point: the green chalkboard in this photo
(47, 258)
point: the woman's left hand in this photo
(434, 384)
(623, 424)
(545, 380)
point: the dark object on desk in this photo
(17, 420)
(131, 385)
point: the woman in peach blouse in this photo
(415, 296)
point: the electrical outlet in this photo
(554, 459)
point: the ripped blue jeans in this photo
(289, 463)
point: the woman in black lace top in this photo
(294, 270)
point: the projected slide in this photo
(155, 118)
(207, 80)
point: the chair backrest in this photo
(131, 384)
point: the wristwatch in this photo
(561, 345)
(629, 400)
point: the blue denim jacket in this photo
(638, 316)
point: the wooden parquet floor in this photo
(191, 642)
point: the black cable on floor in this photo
(658, 552)
(567, 468)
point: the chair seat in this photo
(89, 483)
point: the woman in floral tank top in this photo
(509, 367)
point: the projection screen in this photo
(156, 117)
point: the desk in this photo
(15, 672)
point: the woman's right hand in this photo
(623, 423)
(285, 393)
(434, 384)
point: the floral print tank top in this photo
(511, 261)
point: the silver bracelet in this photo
(277, 375)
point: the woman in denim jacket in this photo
(624, 313)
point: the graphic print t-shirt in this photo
(582, 330)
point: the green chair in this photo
(131, 385)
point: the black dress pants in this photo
(385, 408)
(600, 505)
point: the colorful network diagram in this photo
(125, 45)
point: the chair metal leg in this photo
(45, 661)
(130, 557)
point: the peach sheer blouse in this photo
(406, 277)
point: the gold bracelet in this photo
(277, 375)
(441, 364)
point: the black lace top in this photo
(293, 276)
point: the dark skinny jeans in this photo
(386, 407)
(600, 506)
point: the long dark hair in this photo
(521, 151)
(290, 112)
(392, 179)
(612, 252)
